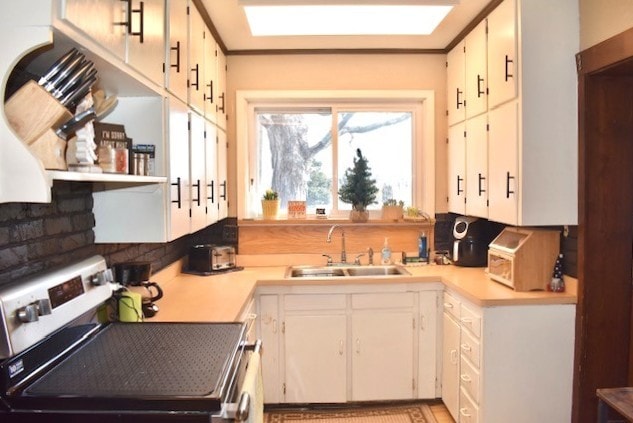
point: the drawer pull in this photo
(448, 305)
(341, 350)
(464, 412)
(466, 348)
(465, 378)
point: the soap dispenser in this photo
(386, 252)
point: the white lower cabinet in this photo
(337, 344)
(514, 363)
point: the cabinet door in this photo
(178, 122)
(502, 54)
(211, 173)
(427, 345)
(457, 168)
(476, 74)
(177, 49)
(450, 365)
(221, 102)
(268, 315)
(315, 358)
(146, 41)
(382, 357)
(503, 160)
(455, 78)
(196, 60)
(100, 20)
(477, 166)
(223, 194)
(210, 77)
(197, 167)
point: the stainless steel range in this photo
(58, 364)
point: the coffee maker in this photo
(471, 237)
(137, 273)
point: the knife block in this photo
(31, 111)
(34, 115)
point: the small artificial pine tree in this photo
(358, 189)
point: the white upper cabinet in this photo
(211, 85)
(196, 60)
(176, 64)
(477, 166)
(211, 173)
(457, 168)
(221, 107)
(132, 30)
(456, 84)
(222, 192)
(502, 53)
(146, 39)
(476, 75)
(197, 169)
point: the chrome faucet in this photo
(329, 239)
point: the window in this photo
(301, 149)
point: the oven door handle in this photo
(255, 346)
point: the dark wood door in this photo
(604, 344)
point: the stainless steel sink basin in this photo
(344, 271)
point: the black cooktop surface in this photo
(145, 361)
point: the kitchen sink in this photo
(344, 271)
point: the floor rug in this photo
(384, 413)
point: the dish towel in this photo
(253, 385)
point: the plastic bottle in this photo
(423, 251)
(386, 252)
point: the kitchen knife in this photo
(76, 122)
(63, 73)
(57, 66)
(79, 92)
(73, 79)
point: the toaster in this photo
(206, 258)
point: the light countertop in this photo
(224, 297)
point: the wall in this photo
(38, 237)
(342, 72)
(602, 19)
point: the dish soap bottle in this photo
(423, 252)
(386, 252)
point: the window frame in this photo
(423, 160)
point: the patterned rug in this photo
(383, 413)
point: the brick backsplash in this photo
(38, 237)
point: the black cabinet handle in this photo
(508, 178)
(459, 182)
(197, 185)
(508, 74)
(196, 70)
(178, 199)
(177, 50)
(141, 31)
(127, 24)
(480, 92)
(481, 179)
(459, 103)
(223, 185)
(221, 108)
(210, 96)
(212, 192)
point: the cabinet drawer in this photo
(468, 410)
(383, 300)
(470, 320)
(451, 305)
(470, 348)
(469, 379)
(314, 302)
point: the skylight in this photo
(304, 17)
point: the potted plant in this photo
(392, 209)
(358, 188)
(270, 204)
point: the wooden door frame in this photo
(605, 231)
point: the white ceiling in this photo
(230, 21)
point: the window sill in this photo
(282, 221)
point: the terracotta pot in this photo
(270, 209)
(359, 216)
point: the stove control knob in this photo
(43, 307)
(28, 314)
(101, 278)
